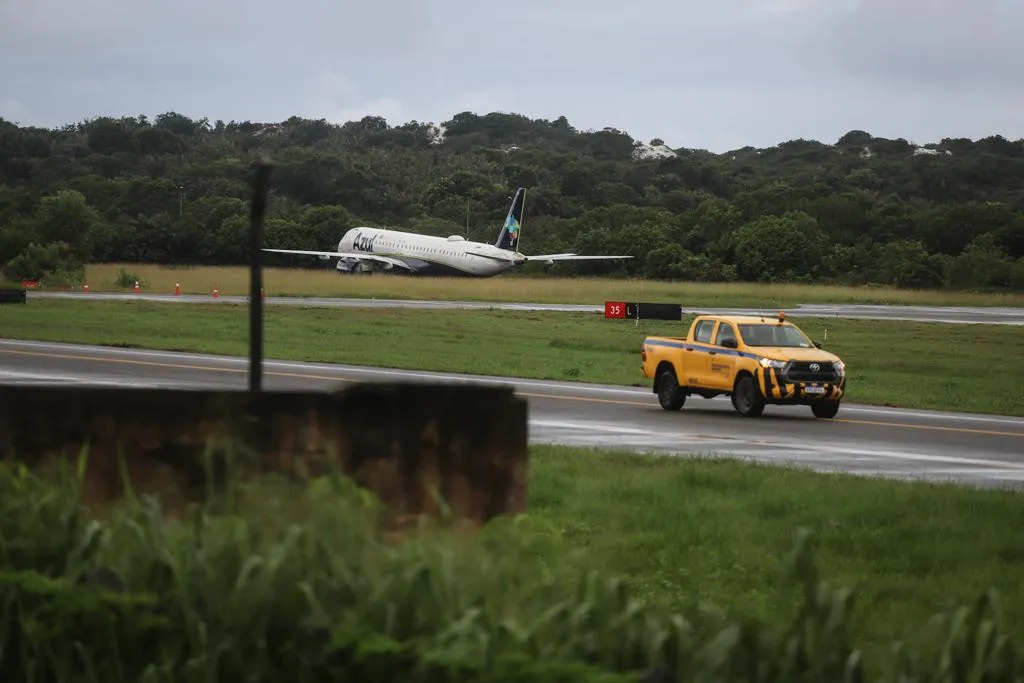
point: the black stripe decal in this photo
(780, 378)
(767, 381)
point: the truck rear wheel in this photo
(670, 395)
(825, 408)
(746, 397)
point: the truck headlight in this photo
(840, 366)
(768, 363)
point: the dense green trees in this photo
(175, 190)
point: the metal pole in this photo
(261, 188)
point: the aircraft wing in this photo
(569, 257)
(345, 254)
(493, 257)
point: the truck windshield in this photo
(773, 335)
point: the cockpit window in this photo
(773, 335)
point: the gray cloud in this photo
(717, 75)
(59, 27)
(972, 44)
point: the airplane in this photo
(364, 249)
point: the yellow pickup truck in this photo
(756, 361)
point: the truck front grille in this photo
(801, 371)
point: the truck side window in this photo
(725, 331)
(703, 334)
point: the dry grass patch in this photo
(510, 287)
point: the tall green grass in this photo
(298, 583)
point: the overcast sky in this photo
(718, 74)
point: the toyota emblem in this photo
(815, 367)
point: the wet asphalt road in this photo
(976, 449)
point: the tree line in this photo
(176, 189)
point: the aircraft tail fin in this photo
(508, 238)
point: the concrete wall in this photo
(468, 442)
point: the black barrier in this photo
(12, 296)
(633, 310)
(650, 311)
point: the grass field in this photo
(715, 530)
(923, 365)
(264, 590)
(326, 282)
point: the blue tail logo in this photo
(508, 238)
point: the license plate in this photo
(815, 390)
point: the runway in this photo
(942, 314)
(979, 450)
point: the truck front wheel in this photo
(825, 408)
(670, 395)
(746, 397)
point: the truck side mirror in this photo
(816, 343)
(730, 343)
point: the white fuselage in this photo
(453, 255)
